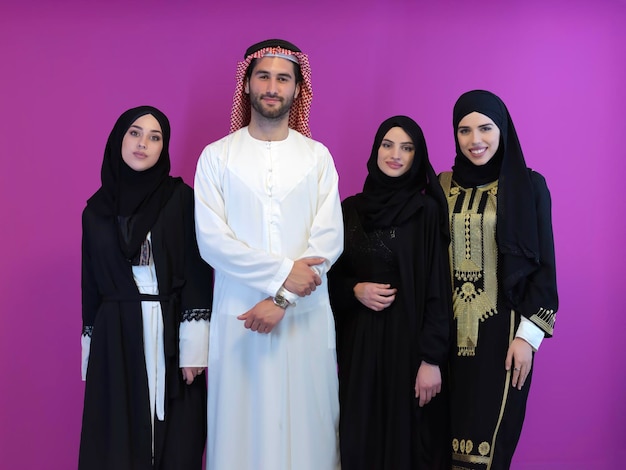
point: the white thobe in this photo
(259, 207)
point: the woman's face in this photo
(142, 143)
(479, 138)
(396, 152)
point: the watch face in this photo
(280, 301)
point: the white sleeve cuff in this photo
(290, 296)
(530, 333)
(322, 268)
(194, 343)
(85, 346)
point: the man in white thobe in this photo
(268, 219)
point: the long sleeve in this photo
(435, 334)
(341, 282)
(219, 244)
(90, 297)
(197, 299)
(540, 300)
(342, 278)
(326, 234)
(256, 214)
(326, 237)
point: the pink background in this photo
(69, 68)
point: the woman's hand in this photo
(427, 382)
(375, 296)
(190, 373)
(520, 357)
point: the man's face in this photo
(272, 87)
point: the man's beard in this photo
(273, 113)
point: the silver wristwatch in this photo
(280, 301)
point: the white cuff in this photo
(85, 346)
(290, 296)
(530, 333)
(194, 343)
(321, 269)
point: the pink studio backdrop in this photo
(69, 68)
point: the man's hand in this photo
(375, 296)
(520, 356)
(302, 280)
(190, 373)
(427, 382)
(263, 317)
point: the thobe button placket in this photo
(269, 183)
(274, 226)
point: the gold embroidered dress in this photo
(504, 280)
(487, 412)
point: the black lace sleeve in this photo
(197, 295)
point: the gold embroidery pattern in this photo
(462, 448)
(545, 319)
(463, 451)
(473, 254)
(507, 387)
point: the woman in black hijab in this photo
(504, 280)
(145, 291)
(391, 299)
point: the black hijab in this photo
(516, 229)
(415, 203)
(134, 198)
(388, 201)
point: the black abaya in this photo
(116, 432)
(379, 353)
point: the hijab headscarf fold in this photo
(301, 107)
(388, 201)
(134, 198)
(415, 204)
(517, 232)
